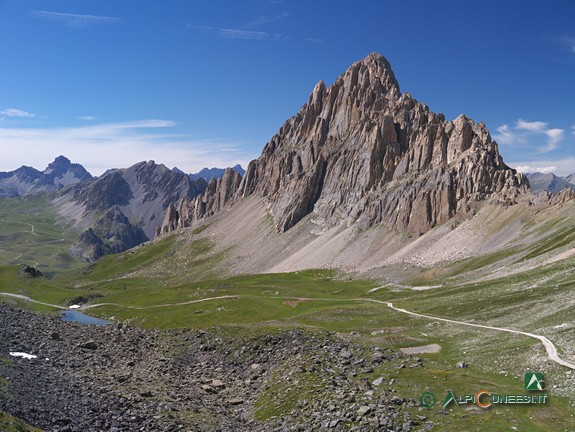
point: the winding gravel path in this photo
(161, 305)
(549, 347)
(26, 298)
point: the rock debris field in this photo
(120, 378)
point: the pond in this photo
(79, 317)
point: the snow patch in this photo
(23, 355)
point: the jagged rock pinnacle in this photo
(361, 152)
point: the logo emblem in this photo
(534, 381)
(427, 400)
(448, 399)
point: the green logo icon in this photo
(448, 399)
(534, 381)
(427, 400)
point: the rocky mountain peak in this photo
(362, 152)
(59, 162)
(375, 67)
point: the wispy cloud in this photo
(15, 112)
(560, 167)
(505, 135)
(73, 20)
(242, 34)
(570, 43)
(525, 131)
(554, 137)
(266, 19)
(87, 118)
(230, 33)
(116, 145)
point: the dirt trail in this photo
(23, 297)
(161, 305)
(549, 347)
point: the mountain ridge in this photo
(550, 182)
(59, 174)
(210, 173)
(122, 208)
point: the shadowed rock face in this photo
(362, 152)
(112, 233)
(126, 206)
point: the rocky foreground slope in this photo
(119, 378)
(361, 152)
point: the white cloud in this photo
(87, 118)
(524, 132)
(73, 20)
(533, 169)
(560, 167)
(536, 126)
(116, 145)
(15, 112)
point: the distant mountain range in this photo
(57, 175)
(114, 212)
(550, 182)
(212, 173)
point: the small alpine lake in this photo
(79, 317)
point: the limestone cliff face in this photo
(362, 152)
(218, 194)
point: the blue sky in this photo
(207, 83)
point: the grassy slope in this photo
(12, 424)
(47, 245)
(319, 299)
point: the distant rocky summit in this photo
(550, 182)
(26, 179)
(361, 152)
